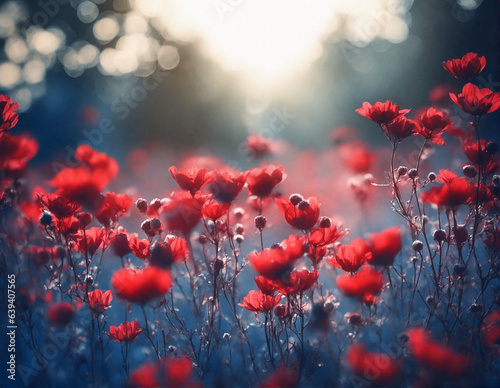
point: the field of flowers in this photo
(347, 267)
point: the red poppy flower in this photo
(322, 236)
(357, 157)
(59, 206)
(182, 211)
(491, 329)
(214, 210)
(272, 262)
(294, 246)
(261, 181)
(470, 147)
(348, 259)
(85, 182)
(168, 372)
(435, 356)
(432, 125)
(100, 302)
(257, 146)
(364, 283)
(8, 116)
(113, 207)
(475, 101)
(15, 152)
(378, 368)
(193, 179)
(296, 282)
(61, 313)
(384, 246)
(454, 192)
(316, 254)
(90, 241)
(165, 253)
(400, 129)
(259, 302)
(139, 247)
(126, 332)
(281, 378)
(265, 285)
(140, 286)
(120, 243)
(381, 112)
(299, 213)
(467, 67)
(68, 226)
(227, 185)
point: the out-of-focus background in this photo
(191, 74)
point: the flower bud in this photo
(239, 213)
(303, 205)
(402, 170)
(84, 218)
(155, 204)
(238, 239)
(280, 311)
(469, 171)
(417, 246)
(459, 270)
(354, 319)
(239, 229)
(432, 176)
(155, 224)
(202, 239)
(45, 218)
(142, 205)
(491, 147)
(413, 173)
(260, 222)
(476, 308)
(295, 199)
(461, 235)
(325, 222)
(440, 235)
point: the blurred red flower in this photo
(61, 313)
(384, 246)
(491, 329)
(379, 368)
(139, 247)
(8, 116)
(299, 213)
(435, 356)
(168, 372)
(466, 67)
(99, 301)
(283, 377)
(193, 179)
(365, 283)
(262, 181)
(112, 208)
(259, 302)
(126, 332)
(257, 146)
(475, 101)
(120, 243)
(214, 210)
(140, 286)
(381, 112)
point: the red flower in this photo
(140, 286)
(475, 101)
(299, 213)
(322, 236)
(400, 129)
(294, 246)
(467, 67)
(85, 182)
(213, 210)
(8, 116)
(227, 185)
(59, 206)
(281, 378)
(296, 282)
(139, 247)
(272, 262)
(454, 192)
(261, 181)
(357, 157)
(348, 259)
(126, 332)
(168, 372)
(471, 147)
(193, 179)
(182, 211)
(120, 243)
(99, 301)
(435, 356)
(15, 151)
(113, 207)
(61, 314)
(165, 253)
(491, 329)
(258, 146)
(378, 368)
(68, 226)
(432, 125)
(259, 302)
(90, 242)
(381, 112)
(384, 246)
(363, 284)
